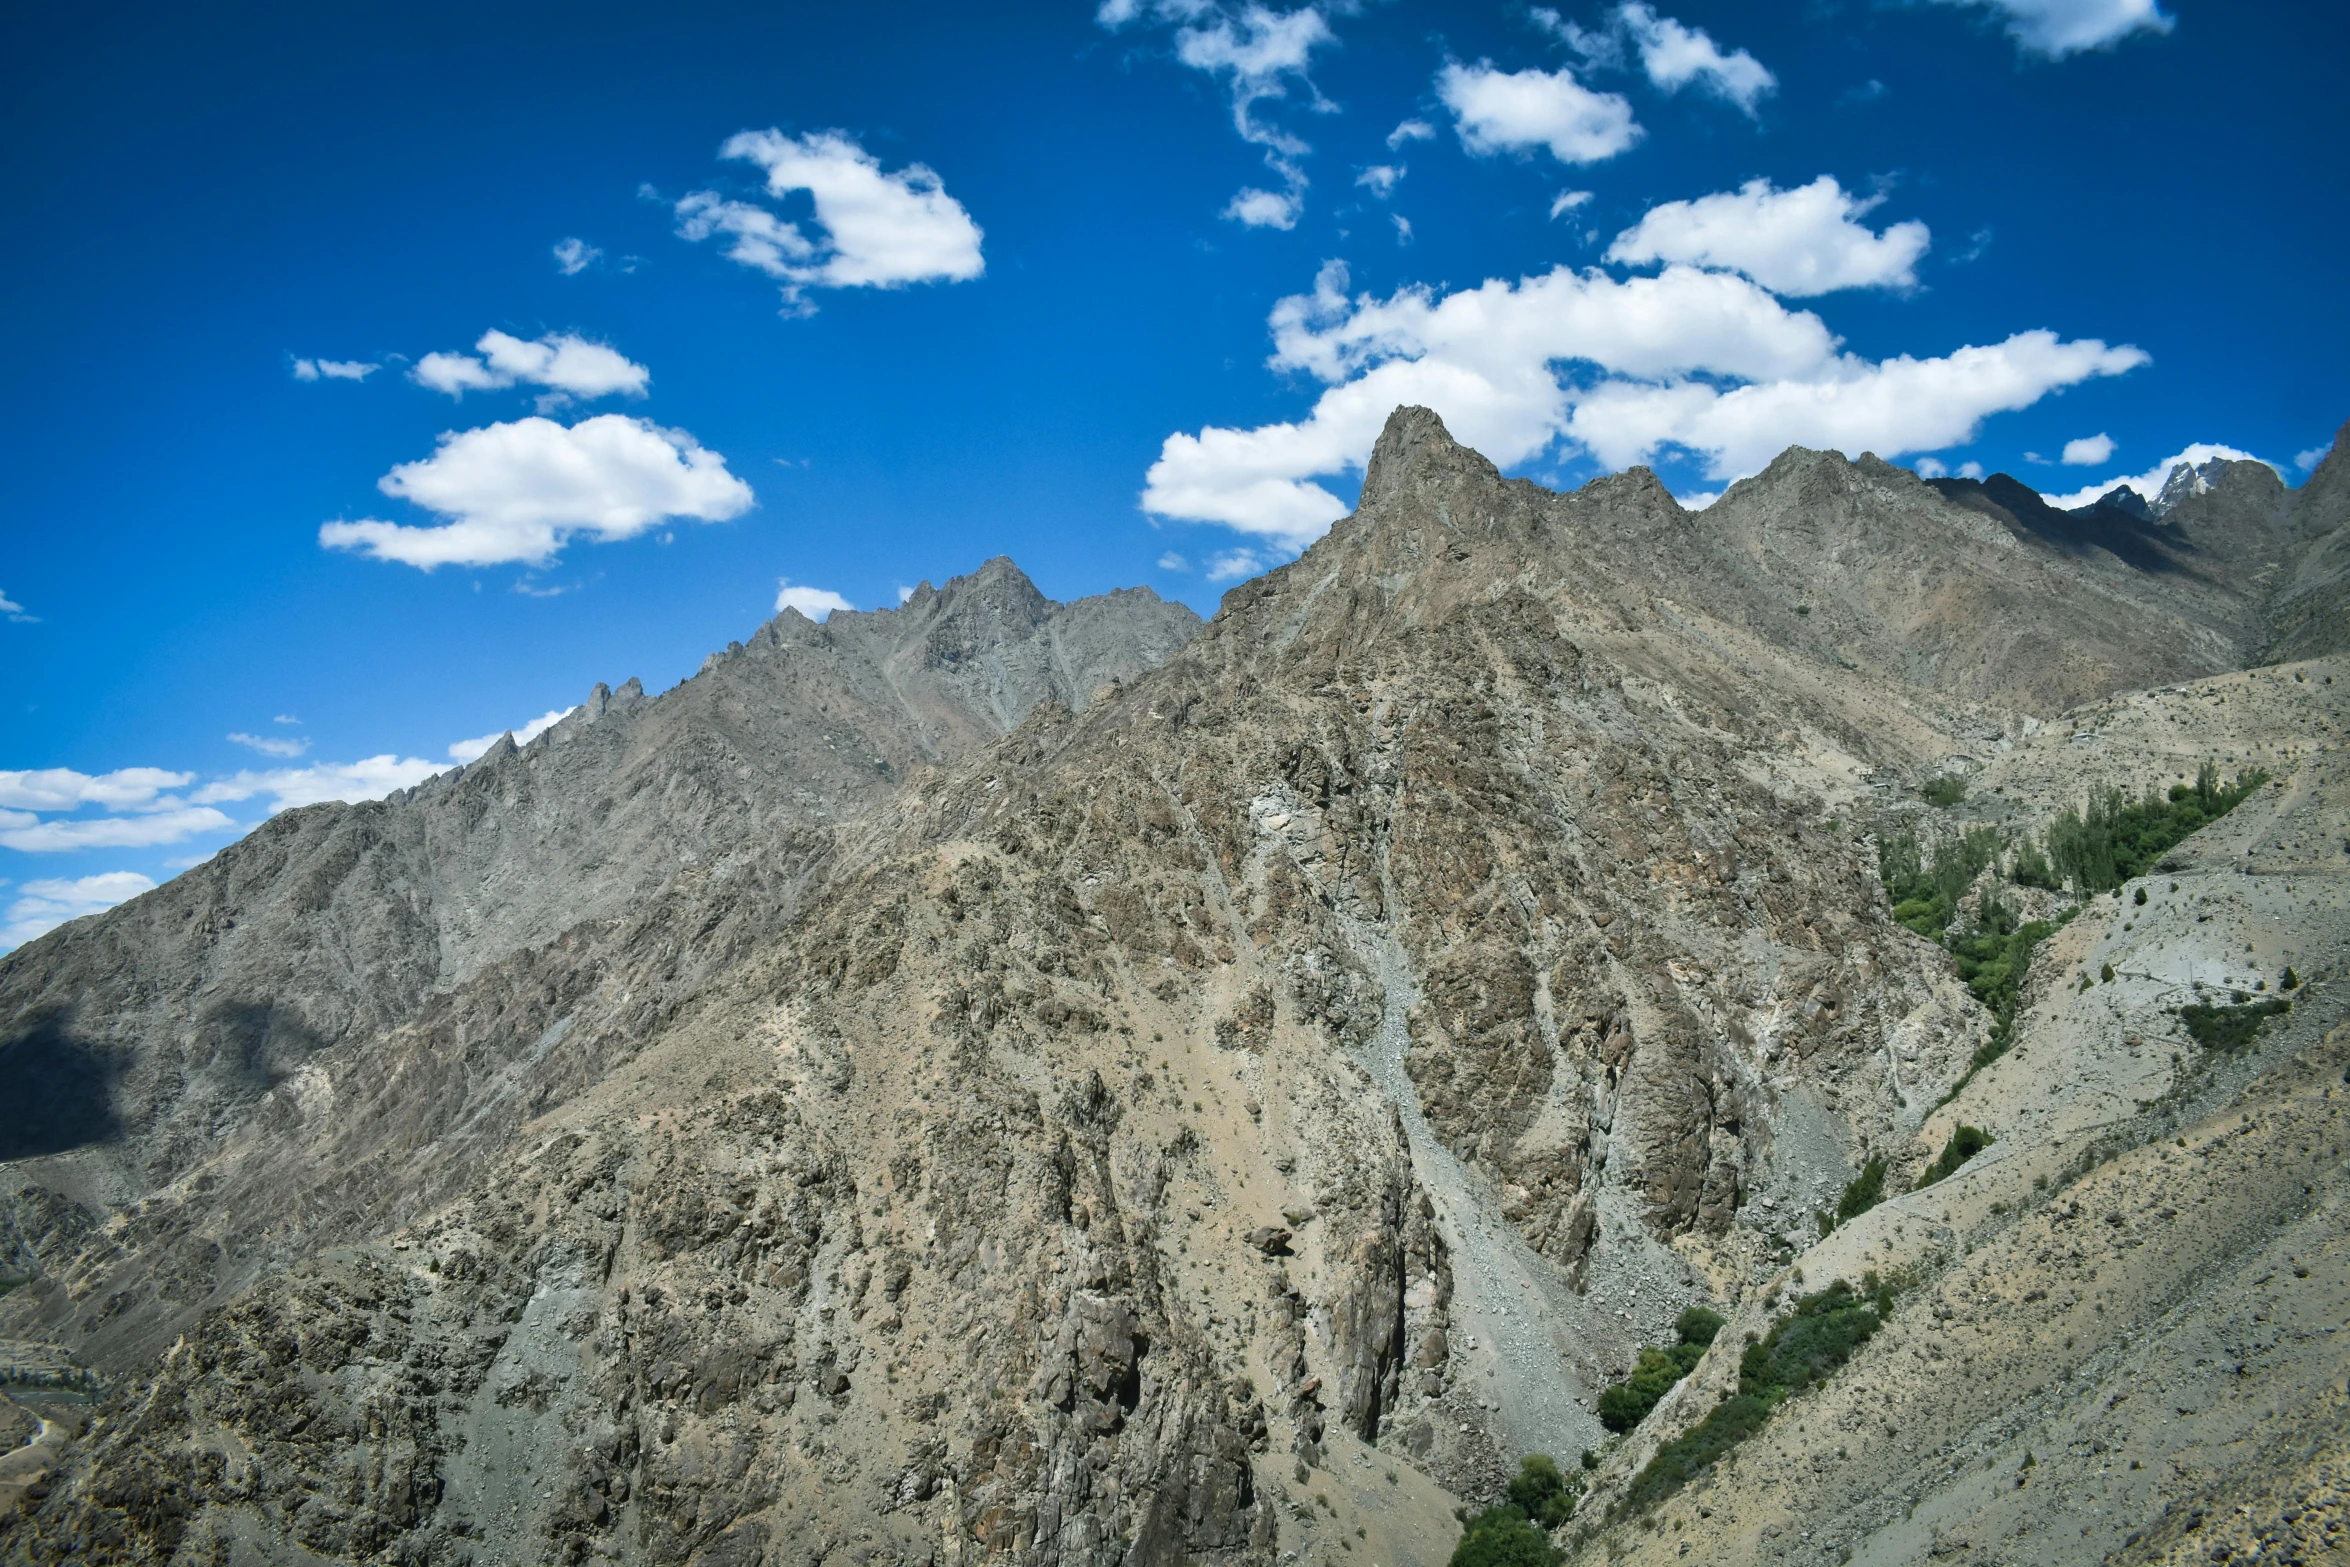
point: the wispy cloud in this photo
(17, 612)
(272, 745)
(2055, 29)
(1258, 54)
(334, 369)
(575, 255)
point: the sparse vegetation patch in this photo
(1516, 1534)
(2231, 1027)
(1626, 1404)
(2112, 838)
(1964, 1144)
(1804, 1348)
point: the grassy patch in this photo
(1964, 1144)
(1626, 1404)
(1803, 1348)
(2230, 1028)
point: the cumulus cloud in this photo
(521, 491)
(1380, 179)
(815, 603)
(1793, 242)
(42, 906)
(2057, 28)
(2149, 484)
(871, 229)
(467, 750)
(2088, 451)
(17, 612)
(1619, 369)
(333, 369)
(1675, 56)
(1514, 111)
(575, 255)
(2305, 461)
(272, 745)
(1258, 54)
(1173, 562)
(560, 361)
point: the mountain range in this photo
(999, 1080)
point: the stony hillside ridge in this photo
(1230, 1119)
(2309, 610)
(141, 1037)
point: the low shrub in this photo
(1516, 1534)
(1964, 1144)
(1626, 1404)
(2230, 1028)
(1945, 791)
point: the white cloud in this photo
(1497, 111)
(42, 906)
(1569, 201)
(2149, 484)
(560, 361)
(467, 750)
(904, 593)
(2304, 461)
(875, 229)
(272, 745)
(1263, 209)
(1173, 562)
(520, 491)
(1380, 179)
(63, 789)
(575, 255)
(285, 718)
(1674, 56)
(1403, 227)
(1793, 242)
(32, 836)
(2056, 28)
(1970, 470)
(333, 369)
(1257, 53)
(370, 778)
(1931, 468)
(1410, 130)
(2088, 451)
(815, 603)
(16, 612)
(1233, 565)
(1621, 369)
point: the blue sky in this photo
(380, 377)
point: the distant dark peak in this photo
(2223, 476)
(2132, 537)
(2123, 499)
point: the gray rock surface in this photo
(1232, 1114)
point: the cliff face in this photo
(1239, 1110)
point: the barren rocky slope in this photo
(1239, 1118)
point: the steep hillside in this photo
(1238, 1115)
